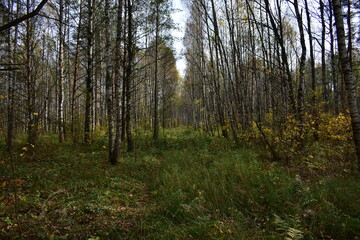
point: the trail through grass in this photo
(184, 186)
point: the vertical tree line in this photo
(80, 67)
(77, 67)
(257, 64)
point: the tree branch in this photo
(8, 69)
(23, 18)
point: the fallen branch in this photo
(44, 206)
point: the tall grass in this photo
(206, 189)
(186, 185)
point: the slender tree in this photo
(348, 75)
(89, 75)
(128, 74)
(61, 123)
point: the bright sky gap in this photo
(179, 16)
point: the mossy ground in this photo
(184, 186)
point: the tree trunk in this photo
(302, 62)
(350, 34)
(283, 52)
(348, 76)
(109, 87)
(30, 81)
(323, 58)
(333, 62)
(128, 77)
(11, 86)
(75, 77)
(89, 77)
(312, 58)
(156, 80)
(61, 128)
(117, 97)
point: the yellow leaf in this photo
(24, 148)
(35, 114)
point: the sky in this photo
(179, 17)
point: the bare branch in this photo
(23, 18)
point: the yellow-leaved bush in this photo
(318, 141)
(336, 128)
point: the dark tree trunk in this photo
(333, 62)
(89, 77)
(312, 58)
(75, 78)
(302, 62)
(323, 58)
(128, 76)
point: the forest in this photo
(102, 136)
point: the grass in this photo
(184, 186)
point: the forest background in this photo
(269, 86)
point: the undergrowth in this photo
(184, 186)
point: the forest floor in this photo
(185, 186)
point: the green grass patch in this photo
(186, 185)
